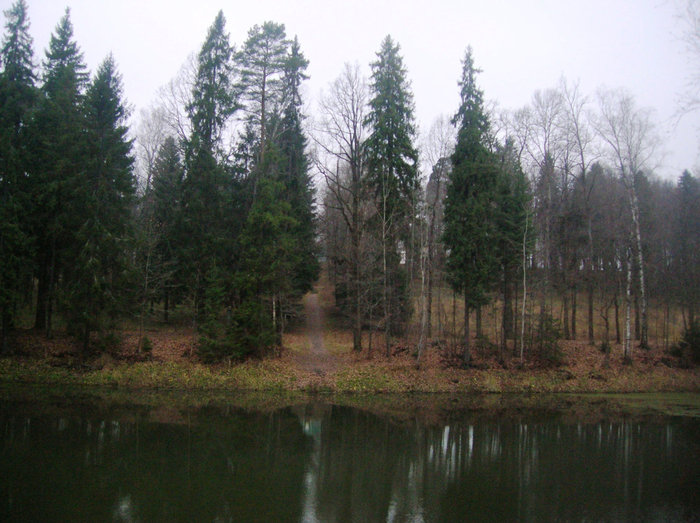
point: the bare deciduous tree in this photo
(632, 143)
(175, 96)
(151, 133)
(576, 127)
(689, 16)
(437, 148)
(339, 137)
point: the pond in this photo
(327, 460)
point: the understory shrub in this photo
(546, 340)
(688, 349)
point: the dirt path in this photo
(316, 358)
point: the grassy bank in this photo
(356, 375)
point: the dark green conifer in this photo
(96, 278)
(58, 163)
(471, 230)
(17, 101)
(392, 175)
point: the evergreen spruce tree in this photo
(204, 186)
(293, 172)
(168, 175)
(471, 230)
(513, 199)
(268, 262)
(97, 277)
(686, 247)
(58, 163)
(213, 98)
(17, 101)
(392, 175)
(392, 159)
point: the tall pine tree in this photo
(293, 172)
(58, 163)
(204, 186)
(513, 200)
(97, 276)
(168, 176)
(471, 231)
(214, 98)
(262, 62)
(686, 246)
(17, 100)
(392, 174)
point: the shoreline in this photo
(173, 406)
(400, 375)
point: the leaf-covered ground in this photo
(172, 364)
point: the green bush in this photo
(688, 349)
(146, 345)
(546, 341)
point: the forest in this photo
(509, 230)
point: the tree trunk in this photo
(627, 349)
(166, 306)
(637, 325)
(357, 291)
(424, 312)
(507, 309)
(607, 325)
(429, 296)
(666, 323)
(42, 296)
(4, 328)
(52, 283)
(357, 263)
(522, 319)
(479, 331)
(565, 314)
(466, 355)
(644, 334)
(573, 313)
(86, 338)
(385, 292)
(543, 301)
(454, 315)
(371, 331)
(591, 337)
(589, 283)
(618, 334)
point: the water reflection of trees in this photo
(503, 470)
(330, 463)
(233, 466)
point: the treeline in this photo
(223, 224)
(544, 211)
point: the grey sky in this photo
(521, 46)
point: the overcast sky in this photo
(634, 44)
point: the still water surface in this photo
(324, 462)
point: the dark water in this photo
(322, 462)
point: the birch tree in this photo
(631, 142)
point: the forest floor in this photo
(314, 357)
(317, 356)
